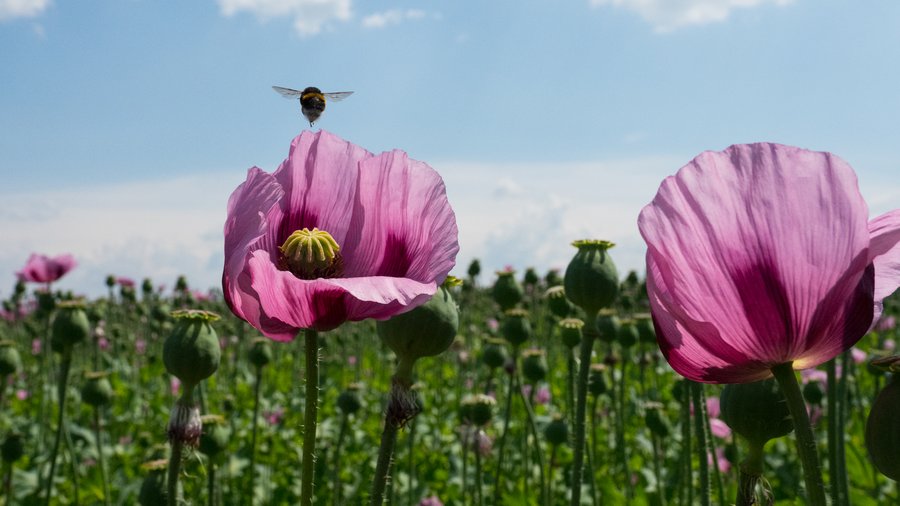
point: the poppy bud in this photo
(348, 401)
(493, 354)
(531, 278)
(181, 284)
(191, 353)
(570, 331)
(147, 287)
(557, 431)
(552, 278)
(597, 384)
(70, 326)
(260, 353)
(592, 281)
(515, 326)
(477, 409)
(757, 411)
(882, 429)
(97, 391)
(10, 361)
(214, 438)
(425, 331)
(608, 326)
(507, 292)
(534, 365)
(557, 302)
(110, 281)
(628, 334)
(13, 447)
(474, 268)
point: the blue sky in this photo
(127, 123)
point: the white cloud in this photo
(668, 15)
(10, 9)
(391, 17)
(310, 16)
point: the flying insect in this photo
(312, 100)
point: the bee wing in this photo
(287, 92)
(338, 96)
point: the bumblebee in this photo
(312, 100)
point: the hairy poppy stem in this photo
(310, 416)
(806, 441)
(256, 389)
(702, 441)
(587, 346)
(60, 420)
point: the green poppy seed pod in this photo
(631, 279)
(507, 292)
(426, 331)
(161, 312)
(181, 284)
(757, 411)
(110, 281)
(19, 290)
(10, 360)
(812, 392)
(592, 281)
(46, 302)
(493, 354)
(883, 430)
(531, 277)
(260, 353)
(552, 278)
(153, 488)
(215, 436)
(96, 391)
(477, 409)
(70, 326)
(608, 325)
(147, 287)
(13, 447)
(474, 268)
(534, 365)
(570, 331)
(597, 384)
(348, 401)
(656, 420)
(516, 328)
(628, 334)
(646, 332)
(557, 431)
(557, 302)
(128, 293)
(191, 353)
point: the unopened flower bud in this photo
(515, 326)
(592, 281)
(191, 353)
(506, 291)
(757, 411)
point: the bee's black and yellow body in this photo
(312, 103)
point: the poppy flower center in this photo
(311, 254)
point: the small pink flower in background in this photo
(174, 385)
(761, 255)
(389, 215)
(200, 296)
(223, 343)
(815, 414)
(543, 395)
(22, 394)
(859, 356)
(808, 375)
(724, 464)
(719, 428)
(890, 345)
(886, 323)
(526, 389)
(44, 269)
(493, 325)
(103, 343)
(484, 443)
(431, 501)
(274, 416)
(123, 281)
(140, 346)
(36, 346)
(712, 407)
(352, 360)
(463, 357)
(125, 440)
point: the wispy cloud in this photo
(10, 9)
(310, 16)
(391, 17)
(668, 15)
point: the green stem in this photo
(587, 345)
(253, 431)
(806, 441)
(498, 474)
(60, 420)
(570, 385)
(478, 484)
(841, 448)
(309, 417)
(336, 468)
(98, 434)
(621, 447)
(410, 463)
(702, 442)
(211, 485)
(174, 470)
(750, 473)
(382, 467)
(832, 399)
(534, 433)
(687, 467)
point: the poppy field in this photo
(348, 358)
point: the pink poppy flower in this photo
(858, 355)
(123, 281)
(719, 428)
(712, 407)
(760, 255)
(43, 269)
(431, 501)
(22, 394)
(886, 323)
(543, 395)
(395, 233)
